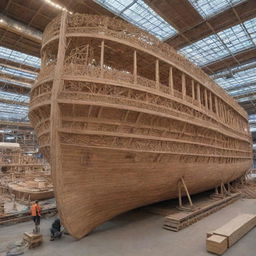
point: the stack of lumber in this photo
(232, 231)
(217, 244)
(180, 220)
(33, 240)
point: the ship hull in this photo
(98, 184)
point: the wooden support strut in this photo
(181, 183)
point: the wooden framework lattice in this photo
(122, 118)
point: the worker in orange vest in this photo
(36, 214)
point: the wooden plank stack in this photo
(217, 244)
(180, 220)
(232, 232)
(33, 240)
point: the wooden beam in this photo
(157, 74)
(171, 81)
(102, 58)
(135, 66)
(183, 84)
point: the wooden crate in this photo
(33, 240)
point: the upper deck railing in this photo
(116, 28)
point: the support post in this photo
(193, 89)
(55, 108)
(216, 105)
(206, 98)
(157, 74)
(102, 57)
(183, 83)
(198, 95)
(210, 101)
(135, 66)
(171, 81)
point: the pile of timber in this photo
(221, 239)
(182, 219)
(33, 240)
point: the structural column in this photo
(183, 83)
(135, 67)
(210, 100)
(216, 105)
(198, 94)
(171, 81)
(206, 98)
(55, 123)
(157, 74)
(102, 58)
(193, 89)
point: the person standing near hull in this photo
(36, 216)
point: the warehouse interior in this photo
(217, 36)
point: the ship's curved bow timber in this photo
(122, 118)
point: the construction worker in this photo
(56, 230)
(36, 215)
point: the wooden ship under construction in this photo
(122, 118)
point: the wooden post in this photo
(210, 100)
(102, 57)
(198, 95)
(135, 66)
(205, 98)
(183, 82)
(216, 105)
(171, 81)
(157, 74)
(193, 89)
(55, 110)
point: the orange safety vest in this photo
(35, 210)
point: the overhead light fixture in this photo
(58, 6)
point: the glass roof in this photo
(14, 96)
(13, 112)
(208, 8)
(23, 84)
(19, 57)
(16, 72)
(222, 44)
(140, 14)
(244, 99)
(239, 79)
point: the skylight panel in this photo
(250, 25)
(244, 99)
(17, 72)
(19, 57)
(23, 84)
(209, 8)
(205, 51)
(225, 43)
(238, 79)
(243, 91)
(235, 38)
(14, 96)
(141, 15)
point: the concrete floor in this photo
(138, 233)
